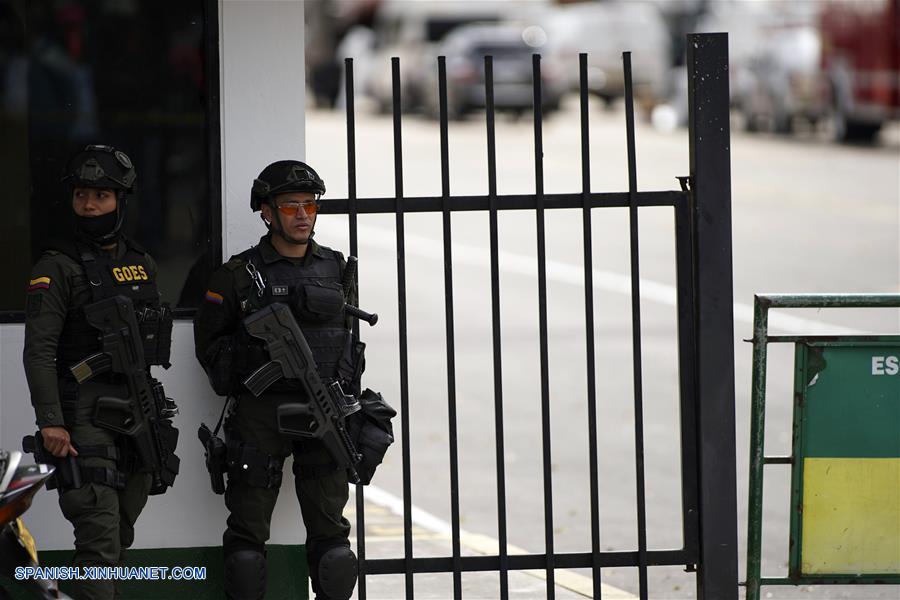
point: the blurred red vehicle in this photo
(861, 64)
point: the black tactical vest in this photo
(316, 298)
(107, 276)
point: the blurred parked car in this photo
(784, 82)
(465, 49)
(861, 65)
(604, 30)
(410, 30)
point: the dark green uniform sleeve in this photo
(218, 314)
(46, 304)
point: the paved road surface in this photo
(808, 217)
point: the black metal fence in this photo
(702, 211)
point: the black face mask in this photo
(98, 227)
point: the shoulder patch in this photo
(214, 297)
(39, 283)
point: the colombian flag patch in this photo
(41, 283)
(214, 297)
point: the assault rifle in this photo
(323, 417)
(145, 415)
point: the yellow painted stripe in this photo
(40, 280)
(851, 516)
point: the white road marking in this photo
(561, 272)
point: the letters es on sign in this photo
(885, 365)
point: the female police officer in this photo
(103, 485)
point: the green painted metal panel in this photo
(288, 573)
(852, 401)
(758, 459)
(846, 406)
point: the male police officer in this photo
(102, 485)
(287, 266)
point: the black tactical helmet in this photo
(282, 177)
(100, 167)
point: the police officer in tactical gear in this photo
(289, 267)
(102, 486)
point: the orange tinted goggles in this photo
(292, 209)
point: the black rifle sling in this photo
(92, 270)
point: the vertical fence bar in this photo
(451, 346)
(542, 318)
(351, 200)
(687, 373)
(757, 447)
(710, 159)
(401, 305)
(636, 331)
(351, 160)
(587, 237)
(495, 319)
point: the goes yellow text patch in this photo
(129, 273)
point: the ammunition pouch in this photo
(252, 467)
(317, 303)
(351, 366)
(372, 433)
(170, 463)
(155, 326)
(167, 438)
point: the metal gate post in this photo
(710, 164)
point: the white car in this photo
(604, 30)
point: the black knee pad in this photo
(245, 575)
(337, 571)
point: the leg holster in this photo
(251, 466)
(71, 473)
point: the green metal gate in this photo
(845, 459)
